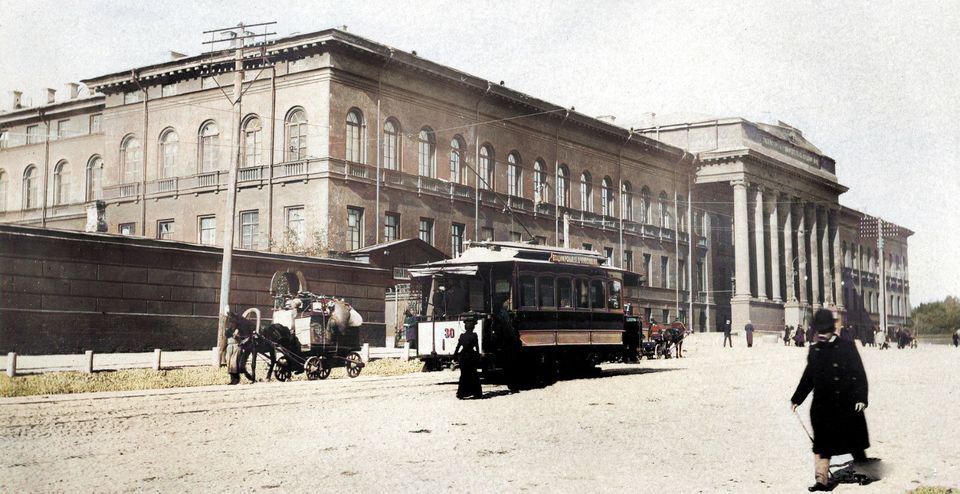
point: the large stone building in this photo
(345, 143)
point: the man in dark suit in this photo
(836, 376)
(726, 334)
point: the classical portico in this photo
(779, 196)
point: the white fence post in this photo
(365, 353)
(156, 359)
(406, 351)
(88, 364)
(215, 352)
(12, 364)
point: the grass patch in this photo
(52, 383)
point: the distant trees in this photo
(938, 317)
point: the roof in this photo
(478, 253)
(302, 45)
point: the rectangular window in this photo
(564, 293)
(165, 229)
(608, 251)
(628, 260)
(354, 228)
(168, 90)
(587, 246)
(207, 227)
(666, 316)
(95, 123)
(541, 240)
(545, 284)
(131, 97)
(528, 292)
(33, 134)
(486, 233)
(63, 129)
(391, 227)
(426, 230)
(127, 228)
(249, 229)
(664, 272)
(456, 238)
(648, 267)
(516, 237)
(296, 231)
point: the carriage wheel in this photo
(316, 367)
(282, 369)
(354, 364)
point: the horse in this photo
(676, 333)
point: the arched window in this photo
(487, 164)
(681, 214)
(457, 148)
(427, 152)
(391, 145)
(540, 182)
(252, 142)
(645, 205)
(30, 187)
(563, 186)
(3, 191)
(586, 192)
(130, 156)
(94, 179)
(664, 211)
(209, 147)
(296, 135)
(514, 175)
(168, 153)
(354, 149)
(627, 203)
(606, 197)
(61, 183)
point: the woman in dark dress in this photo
(467, 354)
(835, 375)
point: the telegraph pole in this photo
(237, 36)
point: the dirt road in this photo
(716, 421)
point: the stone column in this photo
(742, 236)
(802, 253)
(708, 233)
(775, 250)
(814, 257)
(837, 260)
(788, 252)
(758, 220)
(828, 299)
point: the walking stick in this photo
(803, 425)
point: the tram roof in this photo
(490, 252)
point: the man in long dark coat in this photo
(748, 330)
(836, 376)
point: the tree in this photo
(942, 317)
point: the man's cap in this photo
(823, 321)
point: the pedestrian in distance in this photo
(786, 335)
(410, 328)
(835, 375)
(956, 338)
(748, 329)
(467, 354)
(798, 337)
(726, 334)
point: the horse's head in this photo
(237, 323)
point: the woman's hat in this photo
(823, 321)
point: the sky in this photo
(876, 86)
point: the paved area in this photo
(716, 421)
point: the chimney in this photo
(175, 55)
(51, 95)
(15, 97)
(72, 89)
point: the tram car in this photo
(541, 309)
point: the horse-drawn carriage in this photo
(660, 339)
(310, 334)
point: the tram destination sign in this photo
(574, 259)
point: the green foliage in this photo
(290, 243)
(941, 317)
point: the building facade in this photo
(344, 143)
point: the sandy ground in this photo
(716, 421)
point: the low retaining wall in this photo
(67, 292)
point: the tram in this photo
(539, 309)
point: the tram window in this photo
(528, 294)
(614, 294)
(564, 293)
(476, 295)
(582, 293)
(597, 300)
(547, 299)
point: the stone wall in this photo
(66, 292)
